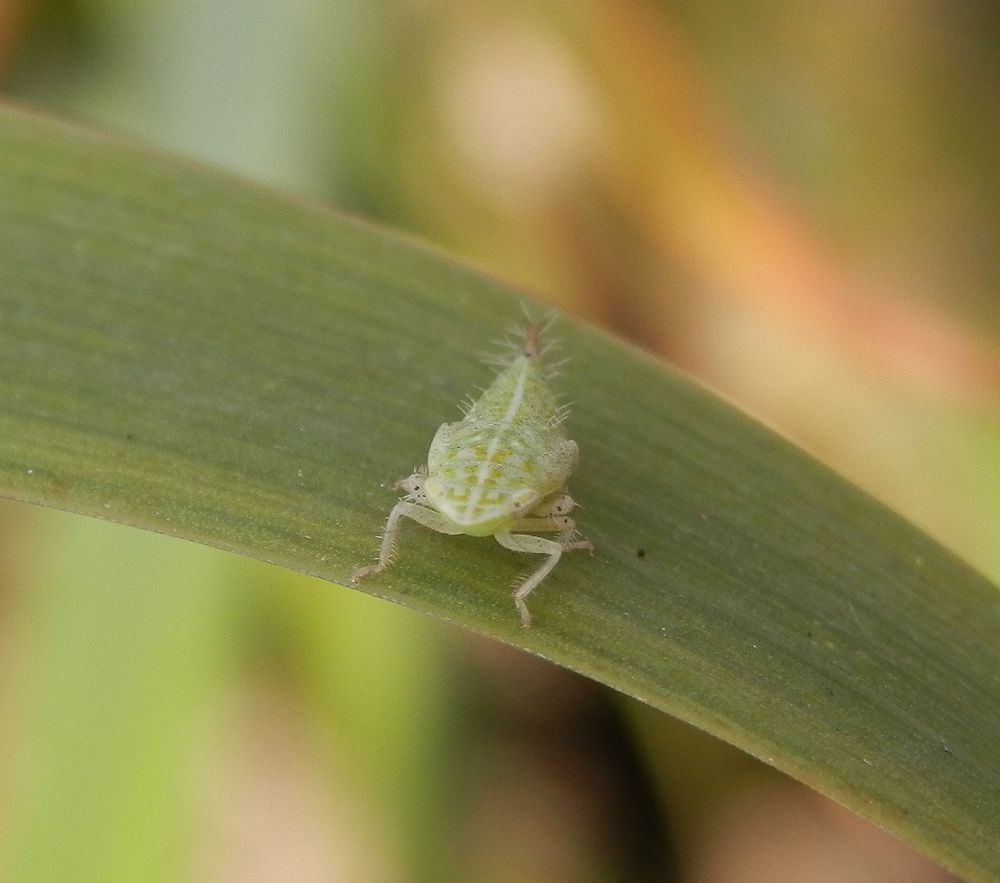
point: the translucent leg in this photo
(520, 542)
(404, 508)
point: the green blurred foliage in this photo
(628, 159)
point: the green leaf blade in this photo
(184, 352)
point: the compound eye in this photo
(563, 504)
(412, 484)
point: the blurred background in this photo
(795, 202)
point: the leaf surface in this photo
(186, 352)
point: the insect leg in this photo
(545, 524)
(520, 542)
(404, 508)
(523, 543)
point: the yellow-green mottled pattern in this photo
(508, 453)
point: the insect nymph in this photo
(501, 471)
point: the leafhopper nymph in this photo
(501, 471)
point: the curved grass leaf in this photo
(187, 353)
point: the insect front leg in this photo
(403, 509)
(519, 542)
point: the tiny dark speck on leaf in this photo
(640, 553)
(129, 436)
(809, 634)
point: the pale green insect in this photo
(499, 471)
